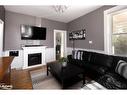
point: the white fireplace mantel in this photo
(31, 50)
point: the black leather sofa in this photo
(101, 68)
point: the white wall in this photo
(50, 54)
(69, 50)
(17, 61)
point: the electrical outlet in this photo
(90, 42)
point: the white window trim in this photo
(108, 27)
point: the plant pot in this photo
(64, 64)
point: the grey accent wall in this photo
(51, 25)
(2, 13)
(93, 22)
(12, 29)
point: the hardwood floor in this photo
(20, 79)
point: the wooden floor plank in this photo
(21, 79)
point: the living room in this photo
(92, 41)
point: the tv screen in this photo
(33, 33)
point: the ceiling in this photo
(71, 13)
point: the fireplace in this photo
(34, 59)
(33, 56)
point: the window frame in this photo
(108, 27)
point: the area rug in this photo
(40, 80)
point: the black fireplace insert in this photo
(34, 59)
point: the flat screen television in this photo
(33, 33)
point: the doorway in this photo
(1, 37)
(59, 44)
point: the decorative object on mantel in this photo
(77, 35)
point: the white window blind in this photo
(119, 34)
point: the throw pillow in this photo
(121, 68)
(81, 58)
(74, 54)
(80, 55)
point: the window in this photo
(119, 33)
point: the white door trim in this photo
(65, 35)
(1, 37)
(108, 27)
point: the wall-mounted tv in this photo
(33, 33)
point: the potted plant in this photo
(63, 61)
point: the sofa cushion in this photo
(101, 59)
(102, 70)
(96, 68)
(121, 68)
(74, 54)
(86, 56)
(76, 62)
(116, 60)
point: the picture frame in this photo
(77, 35)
